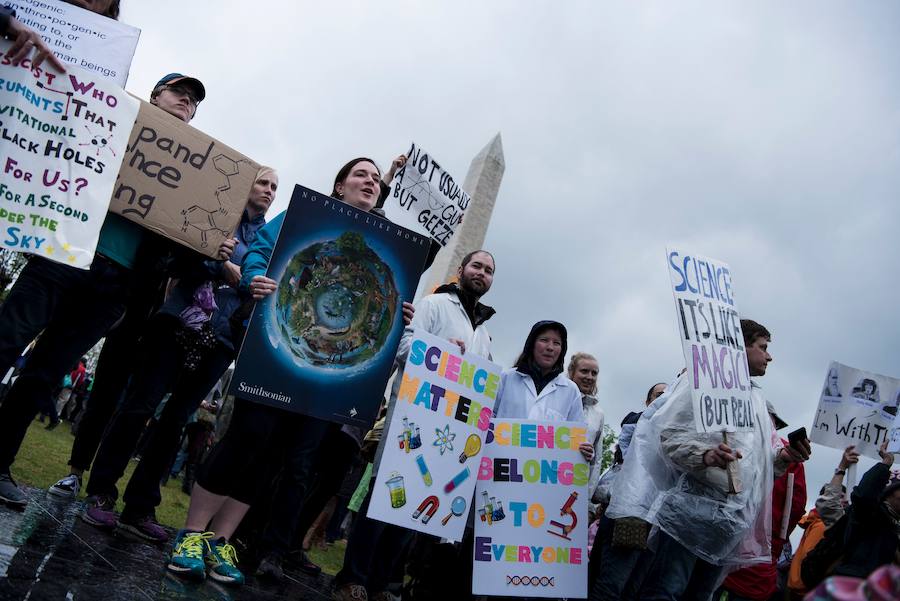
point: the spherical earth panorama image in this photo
(336, 303)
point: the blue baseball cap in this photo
(192, 82)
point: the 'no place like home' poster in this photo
(323, 343)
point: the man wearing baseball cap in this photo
(178, 95)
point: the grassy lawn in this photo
(42, 461)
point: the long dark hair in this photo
(345, 171)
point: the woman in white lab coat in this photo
(536, 387)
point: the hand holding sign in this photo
(25, 40)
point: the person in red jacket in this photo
(760, 581)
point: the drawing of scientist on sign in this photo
(832, 384)
(867, 389)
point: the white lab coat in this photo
(560, 400)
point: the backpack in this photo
(821, 560)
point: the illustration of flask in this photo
(416, 441)
(498, 510)
(481, 515)
(400, 441)
(488, 509)
(397, 490)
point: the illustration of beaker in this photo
(397, 490)
(400, 441)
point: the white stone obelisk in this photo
(482, 184)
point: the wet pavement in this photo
(48, 553)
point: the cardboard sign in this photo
(713, 343)
(101, 46)
(323, 344)
(855, 408)
(531, 507)
(62, 138)
(425, 198)
(434, 439)
(180, 183)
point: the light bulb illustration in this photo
(473, 445)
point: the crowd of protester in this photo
(679, 515)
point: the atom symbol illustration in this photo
(444, 440)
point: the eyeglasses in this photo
(184, 91)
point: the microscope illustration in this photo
(566, 509)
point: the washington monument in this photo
(482, 184)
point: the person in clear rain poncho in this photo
(675, 478)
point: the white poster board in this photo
(531, 511)
(62, 139)
(434, 439)
(713, 343)
(101, 46)
(425, 198)
(856, 407)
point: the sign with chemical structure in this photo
(434, 438)
(63, 138)
(531, 511)
(180, 183)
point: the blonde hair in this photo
(264, 171)
(573, 365)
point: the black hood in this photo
(525, 362)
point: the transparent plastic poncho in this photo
(664, 482)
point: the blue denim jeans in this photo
(678, 574)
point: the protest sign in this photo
(531, 511)
(101, 46)
(425, 198)
(855, 408)
(713, 343)
(63, 138)
(434, 438)
(180, 183)
(324, 342)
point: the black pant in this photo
(161, 369)
(114, 367)
(236, 467)
(75, 308)
(373, 550)
(333, 463)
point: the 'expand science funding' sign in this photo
(712, 341)
(531, 511)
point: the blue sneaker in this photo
(221, 562)
(189, 553)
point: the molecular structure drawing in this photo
(229, 168)
(203, 219)
(99, 141)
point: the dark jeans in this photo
(619, 570)
(676, 573)
(237, 467)
(75, 308)
(373, 550)
(161, 369)
(114, 367)
(333, 463)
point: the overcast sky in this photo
(764, 134)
